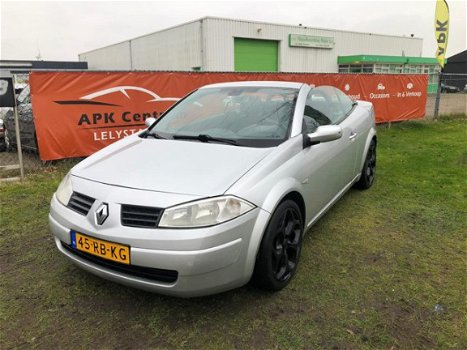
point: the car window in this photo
(346, 102)
(251, 116)
(315, 113)
(325, 105)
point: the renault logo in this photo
(102, 213)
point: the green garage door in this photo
(255, 55)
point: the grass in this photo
(371, 274)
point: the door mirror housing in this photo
(324, 133)
(149, 121)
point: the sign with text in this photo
(322, 42)
(441, 30)
(78, 113)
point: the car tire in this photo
(369, 168)
(280, 248)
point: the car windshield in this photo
(244, 116)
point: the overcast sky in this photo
(61, 30)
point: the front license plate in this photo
(103, 249)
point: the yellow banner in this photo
(441, 29)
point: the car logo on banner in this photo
(90, 98)
(112, 113)
(102, 213)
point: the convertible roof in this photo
(278, 84)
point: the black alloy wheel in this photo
(369, 168)
(280, 248)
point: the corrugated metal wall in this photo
(181, 47)
(115, 56)
(177, 48)
(220, 33)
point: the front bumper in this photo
(206, 260)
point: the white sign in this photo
(299, 40)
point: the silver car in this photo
(218, 191)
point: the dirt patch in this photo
(405, 324)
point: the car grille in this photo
(80, 203)
(138, 216)
(159, 275)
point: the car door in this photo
(359, 121)
(328, 167)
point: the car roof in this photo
(275, 84)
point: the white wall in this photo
(178, 48)
(181, 47)
(115, 56)
(220, 33)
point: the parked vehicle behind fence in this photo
(2, 136)
(449, 88)
(26, 124)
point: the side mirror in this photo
(324, 133)
(149, 121)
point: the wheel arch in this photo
(258, 258)
(297, 198)
(288, 188)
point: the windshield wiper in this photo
(205, 138)
(154, 135)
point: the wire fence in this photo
(452, 88)
(18, 161)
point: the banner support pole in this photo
(438, 96)
(18, 137)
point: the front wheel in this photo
(280, 248)
(369, 168)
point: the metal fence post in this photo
(18, 137)
(438, 96)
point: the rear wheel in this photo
(369, 168)
(280, 248)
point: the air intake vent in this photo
(80, 203)
(137, 216)
(159, 275)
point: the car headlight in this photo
(64, 190)
(206, 212)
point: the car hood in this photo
(185, 167)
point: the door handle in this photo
(353, 135)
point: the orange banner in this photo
(78, 113)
